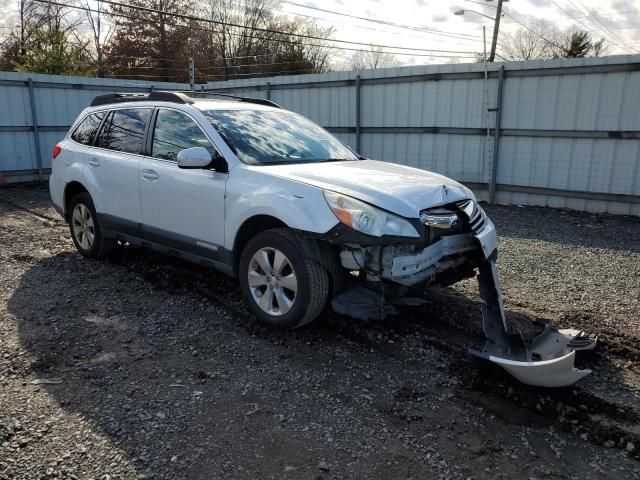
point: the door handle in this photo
(94, 162)
(150, 175)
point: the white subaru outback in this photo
(267, 196)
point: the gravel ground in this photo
(147, 367)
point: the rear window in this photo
(85, 132)
(123, 130)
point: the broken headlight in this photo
(368, 219)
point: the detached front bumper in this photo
(544, 359)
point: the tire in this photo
(85, 228)
(286, 308)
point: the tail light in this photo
(56, 151)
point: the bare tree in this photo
(540, 41)
(249, 39)
(99, 30)
(231, 43)
(373, 58)
(543, 41)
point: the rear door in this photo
(181, 208)
(112, 168)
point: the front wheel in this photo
(284, 288)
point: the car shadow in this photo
(191, 378)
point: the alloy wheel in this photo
(272, 281)
(83, 226)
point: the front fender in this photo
(299, 206)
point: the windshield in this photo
(264, 137)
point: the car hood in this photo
(395, 188)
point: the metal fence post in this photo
(268, 90)
(358, 126)
(496, 138)
(192, 73)
(36, 133)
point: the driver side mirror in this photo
(199, 157)
(194, 157)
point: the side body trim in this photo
(170, 243)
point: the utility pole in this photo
(22, 29)
(496, 27)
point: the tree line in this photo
(228, 39)
(543, 41)
(153, 39)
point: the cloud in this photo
(438, 18)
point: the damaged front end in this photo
(458, 240)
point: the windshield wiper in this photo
(337, 159)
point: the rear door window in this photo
(124, 129)
(85, 132)
(175, 131)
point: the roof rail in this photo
(158, 96)
(258, 101)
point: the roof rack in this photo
(258, 101)
(183, 97)
(158, 96)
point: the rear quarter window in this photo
(124, 130)
(85, 132)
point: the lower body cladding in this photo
(537, 355)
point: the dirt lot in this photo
(146, 367)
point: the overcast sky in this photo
(618, 21)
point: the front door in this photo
(181, 208)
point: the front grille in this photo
(472, 218)
(475, 214)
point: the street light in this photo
(462, 12)
(496, 25)
(487, 142)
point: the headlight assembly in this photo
(368, 219)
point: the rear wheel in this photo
(283, 287)
(85, 229)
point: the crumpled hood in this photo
(396, 188)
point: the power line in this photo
(609, 13)
(569, 14)
(219, 67)
(265, 74)
(384, 22)
(269, 30)
(422, 37)
(550, 42)
(274, 39)
(607, 29)
(585, 17)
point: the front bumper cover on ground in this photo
(544, 358)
